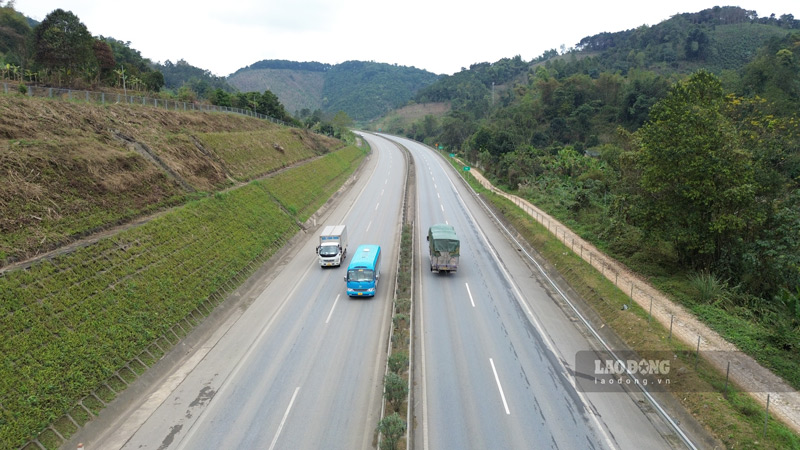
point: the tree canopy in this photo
(62, 42)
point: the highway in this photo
(302, 366)
(495, 347)
(299, 365)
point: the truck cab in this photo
(332, 247)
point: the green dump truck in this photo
(444, 248)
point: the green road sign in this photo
(466, 168)
(452, 155)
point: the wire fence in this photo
(769, 389)
(106, 98)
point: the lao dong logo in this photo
(596, 372)
(631, 366)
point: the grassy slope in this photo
(76, 327)
(69, 169)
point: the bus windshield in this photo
(360, 275)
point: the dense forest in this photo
(61, 52)
(676, 148)
(363, 90)
(283, 64)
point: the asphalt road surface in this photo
(496, 348)
(299, 365)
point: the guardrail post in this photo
(727, 373)
(766, 416)
(697, 354)
(671, 317)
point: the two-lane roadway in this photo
(302, 366)
(495, 349)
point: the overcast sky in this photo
(441, 36)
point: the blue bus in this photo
(364, 271)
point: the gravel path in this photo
(747, 373)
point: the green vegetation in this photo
(396, 381)
(363, 90)
(305, 188)
(392, 428)
(73, 324)
(255, 154)
(61, 51)
(674, 148)
(395, 390)
(85, 168)
(732, 415)
(186, 79)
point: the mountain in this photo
(675, 148)
(727, 41)
(364, 90)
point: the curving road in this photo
(496, 350)
(300, 367)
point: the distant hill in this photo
(363, 90)
(296, 89)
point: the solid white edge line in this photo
(499, 387)
(534, 321)
(283, 421)
(605, 345)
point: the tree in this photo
(696, 46)
(219, 97)
(697, 179)
(153, 80)
(341, 122)
(392, 428)
(14, 33)
(395, 389)
(268, 104)
(105, 59)
(456, 129)
(62, 43)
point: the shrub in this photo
(395, 389)
(398, 362)
(709, 288)
(392, 428)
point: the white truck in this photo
(332, 247)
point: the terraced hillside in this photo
(221, 194)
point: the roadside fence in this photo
(771, 391)
(105, 98)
